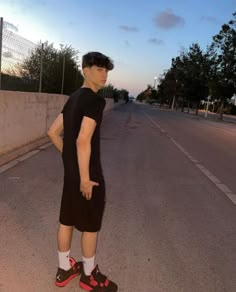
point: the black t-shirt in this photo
(83, 102)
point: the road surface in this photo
(169, 224)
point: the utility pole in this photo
(207, 106)
(173, 103)
(63, 73)
(174, 97)
(1, 33)
(41, 69)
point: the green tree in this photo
(110, 91)
(191, 71)
(223, 52)
(124, 94)
(169, 87)
(150, 95)
(141, 96)
(52, 76)
(179, 67)
(162, 98)
(107, 91)
(11, 81)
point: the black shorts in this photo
(84, 215)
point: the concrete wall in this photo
(25, 118)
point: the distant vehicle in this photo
(131, 98)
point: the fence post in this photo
(63, 74)
(1, 32)
(41, 69)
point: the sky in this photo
(141, 37)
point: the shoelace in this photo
(99, 276)
(77, 266)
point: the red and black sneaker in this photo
(97, 282)
(64, 277)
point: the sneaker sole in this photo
(88, 288)
(85, 287)
(62, 284)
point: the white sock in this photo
(89, 264)
(64, 262)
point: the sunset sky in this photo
(140, 36)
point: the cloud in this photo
(25, 6)
(31, 3)
(127, 28)
(167, 20)
(73, 23)
(41, 2)
(156, 41)
(10, 2)
(26, 3)
(210, 19)
(127, 43)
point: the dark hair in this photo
(97, 59)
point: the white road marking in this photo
(205, 171)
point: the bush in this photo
(233, 110)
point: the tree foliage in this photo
(195, 74)
(52, 69)
(110, 91)
(191, 70)
(149, 95)
(223, 57)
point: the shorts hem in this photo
(95, 230)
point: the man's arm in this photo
(83, 143)
(55, 132)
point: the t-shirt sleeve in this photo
(94, 108)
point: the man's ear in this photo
(85, 71)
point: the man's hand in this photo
(86, 187)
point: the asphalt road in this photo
(169, 224)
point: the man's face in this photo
(95, 75)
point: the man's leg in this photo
(92, 279)
(88, 246)
(64, 237)
(68, 267)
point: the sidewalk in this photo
(201, 114)
(216, 117)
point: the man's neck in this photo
(91, 86)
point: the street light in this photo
(155, 80)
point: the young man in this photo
(83, 198)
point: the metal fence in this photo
(14, 49)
